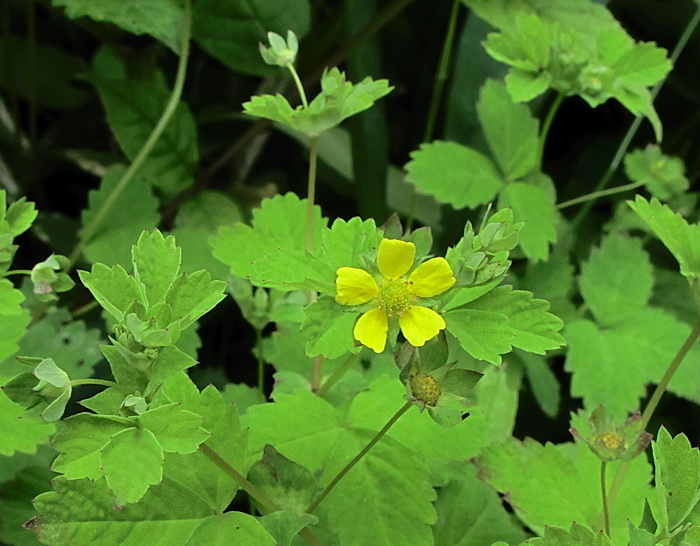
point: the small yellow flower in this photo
(395, 294)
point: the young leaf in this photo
(192, 296)
(345, 243)
(454, 174)
(617, 279)
(162, 19)
(231, 31)
(132, 461)
(677, 478)
(19, 216)
(682, 239)
(113, 288)
(532, 205)
(156, 264)
(133, 110)
(510, 129)
(663, 176)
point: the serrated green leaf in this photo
(10, 298)
(664, 176)
(177, 430)
(134, 107)
(535, 207)
(156, 264)
(19, 431)
(570, 475)
(207, 211)
(132, 461)
(192, 296)
(682, 239)
(79, 444)
(14, 320)
(470, 512)
(344, 243)
(16, 504)
(483, 334)
(677, 477)
(454, 174)
(231, 31)
(578, 535)
(230, 528)
(20, 215)
(643, 64)
(114, 289)
(329, 329)
(169, 362)
(161, 19)
(111, 243)
(617, 279)
(510, 129)
(79, 510)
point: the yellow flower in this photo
(395, 294)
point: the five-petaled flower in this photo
(395, 294)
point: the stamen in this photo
(395, 298)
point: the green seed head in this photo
(425, 388)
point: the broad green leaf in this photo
(344, 243)
(161, 19)
(230, 30)
(329, 329)
(16, 504)
(553, 281)
(132, 461)
(681, 238)
(483, 334)
(156, 264)
(470, 513)
(510, 129)
(454, 174)
(19, 216)
(177, 430)
(284, 525)
(111, 243)
(677, 478)
(19, 431)
(272, 252)
(497, 395)
(569, 473)
(612, 366)
(192, 296)
(230, 528)
(134, 107)
(532, 205)
(291, 485)
(169, 362)
(14, 320)
(578, 535)
(80, 442)
(664, 176)
(642, 64)
(114, 289)
(77, 511)
(617, 279)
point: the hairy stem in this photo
(604, 496)
(165, 117)
(598, 194)
(624, 145)
(358, 457)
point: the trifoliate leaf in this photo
(177, 430)
(111, 243)
(682, 239)
(132, 461)
(532, 205)
(617, 279)
(570, 474)
(677, 478)
(161, 19)
(454, 174)
(78, 510)
(510, 129)
(664, 176)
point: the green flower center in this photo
(395, 298)
(425, 388)
(610, 440)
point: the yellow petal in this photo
(431, 278)
(354, 286)
(419, 324)
(371, 330)
(395, 257)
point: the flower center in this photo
(425, 388)
(610, 440)
(395, 298)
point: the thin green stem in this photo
(439, 80)
(624, 145)
(165, 117)
(93, 381)
(547, 125)
(18, 272)
(261, 362)
(599, 194)
(346, 366)
(358, 457)
(311, 194)
(666, 379)
(297, 82)
(80, 311)
(604, 495)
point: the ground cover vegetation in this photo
(306, 272)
